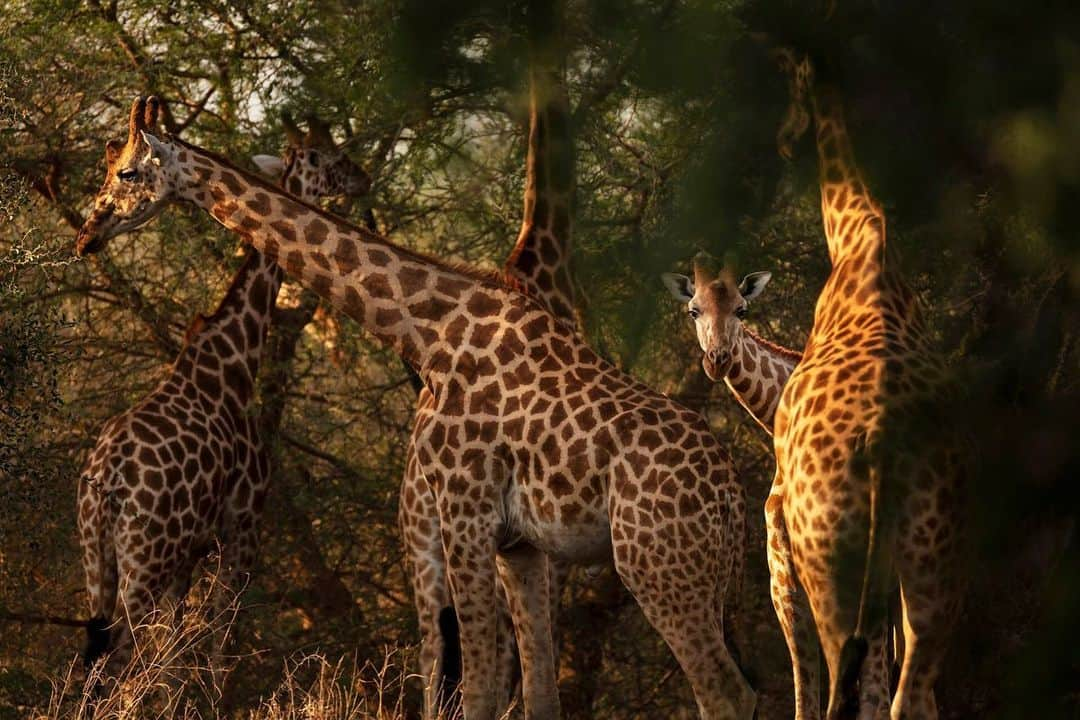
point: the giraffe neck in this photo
(854, 221)
(539, 263)
(222, 350)
(758, 373)
(415, 304)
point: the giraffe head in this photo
(138, 182)
(313, 165)
(800, 77)
(717, 305)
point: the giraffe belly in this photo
(563, 526)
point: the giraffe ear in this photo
(158, 150)
(680, 286)
(269, 165)
(752, 285)
(113, 148)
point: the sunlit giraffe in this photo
(869, 471)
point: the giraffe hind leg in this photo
(792, 610)
(682, 600)
(874, 679)
(930, 569)
(523, 571)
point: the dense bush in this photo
(964, 118)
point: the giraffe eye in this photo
(741, 312)
(128, 174)
(694, 313)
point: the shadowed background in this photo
(966, 121)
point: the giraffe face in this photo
(137, 182)
(717, 306)
(313, 173)
(800, 76)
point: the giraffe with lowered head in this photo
(185, 467)
(539, 264)
(533, 444)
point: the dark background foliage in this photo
(966, 120)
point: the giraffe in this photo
(533, 445)
(756, 371)
(185, 467)
(317, 167)
(870, 475)
(539, 265)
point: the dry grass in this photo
(180, 670)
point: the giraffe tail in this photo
(844, 690)
(97, 640)
(106, 576)
(450, 675)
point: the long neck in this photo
(854, 221)
(759, 371)
(540, 261)
(412, 303)
(222, 350)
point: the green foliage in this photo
(965, 124)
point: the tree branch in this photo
(33, 619)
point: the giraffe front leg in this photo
(469, 548)
(792, 610)
(558, 573)
(508, 665)
(524, 573)
(418, 518)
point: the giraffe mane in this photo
(774, 347)
(491, 278)
(200, 321)
(196, 326)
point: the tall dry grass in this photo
(179, 668)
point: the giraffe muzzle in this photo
(87, 243)
(90, 238)
(716, 363)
